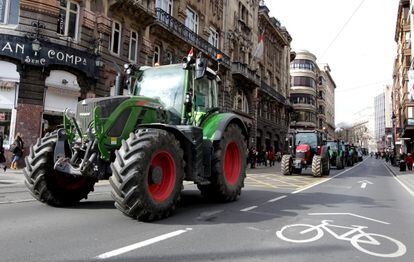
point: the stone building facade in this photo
(56, 52)
(312, 94)
(402, 89)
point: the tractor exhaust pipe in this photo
(118, 85)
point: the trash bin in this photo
(403, 166)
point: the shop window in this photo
(9, 12)
(214, 37)
(133, 46)
(165, 5)
(5, 119)
(157, 53)
(192, 20)
(116, 38)
(68, 22)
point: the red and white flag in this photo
(260, 47)
(190, 54)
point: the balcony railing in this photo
(244, 70)
(273, 93)
(175, 26)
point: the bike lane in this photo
(363, 214)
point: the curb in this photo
(391, 170)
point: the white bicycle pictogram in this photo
(355, 235)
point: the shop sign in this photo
(49, 54)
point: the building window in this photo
(133, 46)
(165, 5)
(116, 38)
(192, 20)
(156, 58)
(68, 19)
(214, 37)
(303, 81)
(9, 12)
(241, 102)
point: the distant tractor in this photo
(308, 149)
(336, 154)
(168, 129)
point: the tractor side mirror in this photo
(200, 68)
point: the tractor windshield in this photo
(164, 83)
(307, 138)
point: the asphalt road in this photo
(360, 214)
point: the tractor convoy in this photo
(169, 129)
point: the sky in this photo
(361, 57)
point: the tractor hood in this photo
(85, 109)
(303, 148)
(303, 152)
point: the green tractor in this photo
(169, 129)
(336, 154)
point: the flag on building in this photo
(260, 47)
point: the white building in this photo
(379, 112)
(364, 129)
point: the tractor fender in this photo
(214, 126)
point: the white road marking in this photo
(18, 201)
(248, 208)
(276, 199)
(326, 180)
(401, 183)
(147, 242)
(364, 183)
(349, 214)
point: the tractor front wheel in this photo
(147, 175)
(48, 185)
(286, 165)
(228, 167)
(317, 166)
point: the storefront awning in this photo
(408, 132)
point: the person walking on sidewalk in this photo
(2, 157)
(409, 160)
(17, 150)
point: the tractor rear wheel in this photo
(228, 167)
(147, 175)
(286, 165)
(317, 166)
(48, 185)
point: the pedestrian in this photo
(409, 160)
(17, 150)
(271, 157)
(252, 157)
(2, 156)
(278, 156)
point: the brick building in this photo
(56, 52)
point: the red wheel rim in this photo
(232, 163)
(162, 191)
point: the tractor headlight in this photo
(126, 66)
(129, 71)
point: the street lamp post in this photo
(394, 150)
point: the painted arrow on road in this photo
(364, 183)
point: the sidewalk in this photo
(11, 177)
(406, 177)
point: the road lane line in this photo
(399, 181)
(18, 201)
(276, 199)
(147, 242)
(363, 185)
(260, 182)
(326, 180)
(350, 214)
(248, 208)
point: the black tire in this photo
(132, 188)
(286, 165)
(227, 178)
(317, 167)
(339, 163)
(326, 167)
(48, 185)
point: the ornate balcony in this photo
(273, 93)
(176, 27)
(141, 10)
(242, 72)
